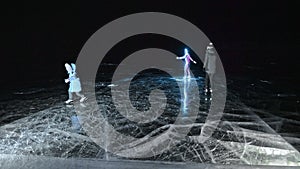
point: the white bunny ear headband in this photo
(68, 68)
(73, 67)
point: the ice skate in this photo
(68, 101)
(83, 99)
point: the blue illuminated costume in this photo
(75, 86)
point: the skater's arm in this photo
(192, 60)
(182, 57)
(72, 76)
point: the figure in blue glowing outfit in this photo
(187, 58)
(75, 86)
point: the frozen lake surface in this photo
(258, 127)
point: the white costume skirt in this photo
(75, 85)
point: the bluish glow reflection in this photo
(186, 85)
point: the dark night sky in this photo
(247, 33)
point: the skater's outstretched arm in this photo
(182, 57)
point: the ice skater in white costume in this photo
(75, 86)
(187, 59)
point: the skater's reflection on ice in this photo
(186, 85)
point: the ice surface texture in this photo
(242, 137)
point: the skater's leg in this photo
(70, 98)
(206, 87)
(211, 84)
(186, 71)
(83, 98)
(78, 94)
